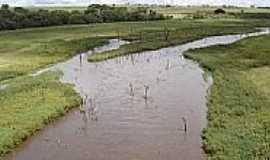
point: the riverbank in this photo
(32, 56)
(238, 115)
(29, 103)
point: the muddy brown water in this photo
(124, 125)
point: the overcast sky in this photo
(174, 2)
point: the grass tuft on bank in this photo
(239, 103)
(29, 103)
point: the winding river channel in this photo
(122, 123)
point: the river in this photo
(121, 122)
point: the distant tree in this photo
(220, 11)
(5, 7)
(5, 13)
(77, 18)
(142, 10)
(59, 17)
(20, 17)
(20, 10)
(94, 10)
(108, 15)
(90, 18)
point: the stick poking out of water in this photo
(92, 109)
(83, 104)
(185, 124)
(81, 58)
(168, 66)
(131, 89)
(146, 89)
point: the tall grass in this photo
(239, 123)
(29, 103)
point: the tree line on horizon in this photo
(19, 17)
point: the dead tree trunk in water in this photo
(131, 89)
(146, 88)
(185, 124)
(168, 65)
(81, 59)
(83, 104)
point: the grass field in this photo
(23, 51)
(19, 58)
(180, 31)
(31, 102)
(239, 123)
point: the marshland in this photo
(134, 82)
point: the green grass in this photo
(26, 50)
(23, 58)
(239, 103)
(29, 103)
(181, 31)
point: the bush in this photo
(219, 11)
(20, 17)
